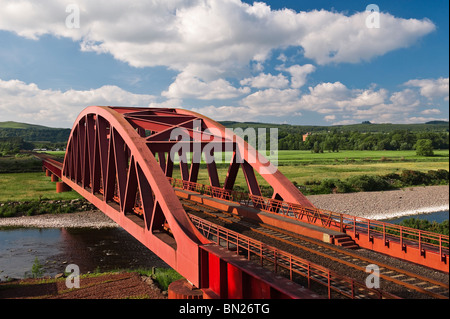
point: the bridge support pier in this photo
(62, 187)
(55, 178)
(182, 289)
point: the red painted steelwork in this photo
(418, 246)
(119, 159)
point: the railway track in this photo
(395, 279)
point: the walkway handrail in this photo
(278, 259)
(425, 240)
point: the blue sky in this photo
(296, 62)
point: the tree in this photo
(424, 147)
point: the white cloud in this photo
(335, 101)
(219, 113)
(430, 111)
(20, 101)
(335, 38)
(266, 81)
(220, 33)
(431, 88)
(211, 43)
(276, 102)
(299, 74)
(329, 118)
(188, 86)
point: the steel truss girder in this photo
(118, 158)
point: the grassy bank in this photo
(30, 186)
(300, 167)
(104, 285)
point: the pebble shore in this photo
(87, 219)
(386, 204)
(373, 205)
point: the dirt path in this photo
(108, 286)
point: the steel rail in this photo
(332, 220)
(343, 285)
(367, 261)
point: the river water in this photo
(438, 217)
(91, 249)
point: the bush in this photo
(344, 187)
(368, 183)
(412, 178)
(438, 177)
(422, 224)
(35, 208)
(424, 147)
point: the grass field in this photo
(303, 166)
(297, 166)
(30, 186)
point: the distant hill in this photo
(33, 133)
(437, 122)
(40, 133)
(366, 127)
(17, 125)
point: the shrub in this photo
(424, 147)
(37, 269)
(410, 178)
(368, 183)
(438, 177)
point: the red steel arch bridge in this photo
(122, 160)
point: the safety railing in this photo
(287, 264)
(406, 236)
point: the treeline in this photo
(368, 183)
(335, 140)
(33, 134)
(13, 145)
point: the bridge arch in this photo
(118, 158)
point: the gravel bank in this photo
(386, 204)
(88, 219)
(373, 205)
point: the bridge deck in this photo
(296, 226)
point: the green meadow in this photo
(30, 186)
(298, 166)
(304, 166)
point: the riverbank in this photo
(122, 285)
(386, 204)
(372, 205)
(86, 219)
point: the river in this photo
(438, 217)
(91, 249)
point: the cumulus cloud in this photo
(431, 88)
(211, 44)
(264, 80)
(430, 111)
(299, 74)
(335, 101)
(31, 104)
(188, 86)
(176, 33)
